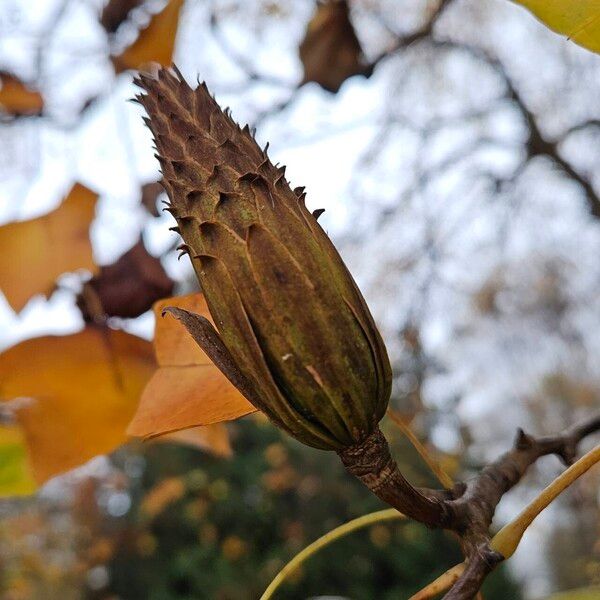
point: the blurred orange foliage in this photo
(155, 43)
(42, 249)
(84, 389)
(17, 99)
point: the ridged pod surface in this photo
(286, 308)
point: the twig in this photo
(241, 61)
(537, 144)
(404, 41)
(506, 541)
(371, 463)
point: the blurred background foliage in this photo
(206, 527)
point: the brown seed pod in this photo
(294, 333)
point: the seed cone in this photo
(294, 333)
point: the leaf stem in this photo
(507, 539)
(441, 584)
(436, 469)
(331, 536)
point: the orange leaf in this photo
(213, 438)
(17, 99)
(187, 390)
(155, 43)
(172, 343)
(34, 253)
(84, 389)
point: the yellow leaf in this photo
(34, 253)
(155, 43)
(579, 20)
(16, 478)
(17, 99)
(187, 390)
(84, 389)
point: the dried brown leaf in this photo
(17, 99)
(330, 52)
(127, 288)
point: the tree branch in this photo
(537, 143)
(484, 492)
(480, 565)
(406, 40)
(474, 510)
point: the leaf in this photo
(115, 12)
(212, 438)
(579, 20)
(330, 52)
(127, 288)
(16, 478)
(155, 43)
(84, 389)
(187, 390)
(34, 253)
(17, 99)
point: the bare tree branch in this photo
(475, 508)
(537, 143)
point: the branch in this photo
(404, 41)
(476, 507)
(485, 491)
(537, 143)
(241, 61)
(479, 566)
(580, 127)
